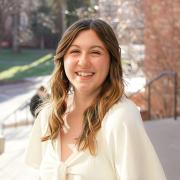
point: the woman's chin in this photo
(86, 90)
(83, 89)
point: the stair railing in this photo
(149, 85)
(24, 105)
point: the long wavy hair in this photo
(111, 92)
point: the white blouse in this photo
(124, 151)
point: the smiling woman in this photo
(86, 64)
(89, 130)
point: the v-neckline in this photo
(59, 153)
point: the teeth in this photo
(84, 74)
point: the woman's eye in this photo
(74, 51)
(96, 52)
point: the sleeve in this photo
(35, 147)
(133, 155)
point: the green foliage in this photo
(29, 63)
(42, 21)
(73, 7)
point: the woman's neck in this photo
(82, 101)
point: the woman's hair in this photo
(111, 92)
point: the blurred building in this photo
(162, 42)
(149, 35)
(15, 20)
(31, 23)
(127, 20)
(126, 17)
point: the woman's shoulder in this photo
(43, 116)
(123, 112)
(123, 106)
(45, 110)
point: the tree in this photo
(59, 7)
(43, 22)
(79, 9)
(11, 7)
(127, 20)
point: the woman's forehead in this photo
(88, 37)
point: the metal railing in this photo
(151, 82)
(23, 106)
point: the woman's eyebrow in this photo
(92, 47)
(74, 45)
(97, 46)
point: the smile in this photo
(85, 74)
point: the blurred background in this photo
(148, 32)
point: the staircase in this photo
(158, 98)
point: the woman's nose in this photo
(83, 60)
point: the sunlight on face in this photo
(87, 62)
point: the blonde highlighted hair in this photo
(111, 92)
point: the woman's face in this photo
(87, 63)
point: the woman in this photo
(89, 130)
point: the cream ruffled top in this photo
(124, 151)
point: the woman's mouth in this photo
(85, 74)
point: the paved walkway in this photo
(164, 134)
(12, 165)
(15, 94)
(11, 161)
